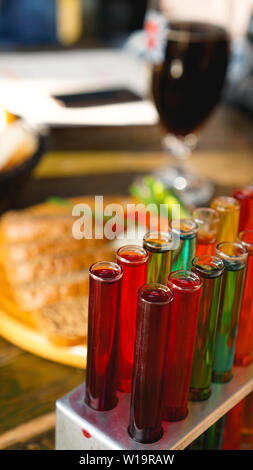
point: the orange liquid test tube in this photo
(208, 222)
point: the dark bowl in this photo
(13, 180)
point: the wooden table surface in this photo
(30, 385)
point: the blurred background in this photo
(66, 64)
(86, 22)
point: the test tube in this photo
(247, 428)
(186, 230)
(210, 270)
(245, 198)
(133, 261)
(212, 438)
(151, 343)
(233, 427)
(244, 340)
(186, 287)
(104, 297)
(159, 246)
(208, 222)
(234, 257)
(228, 209)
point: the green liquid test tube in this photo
(212, 438)
(210, 270)
(159, 246)
(186, 230)
(234, 257)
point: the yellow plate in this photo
(17, 326)
(31, 340)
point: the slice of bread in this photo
(64, 323)
(21, 227)
(23, 251)
(47, 266)
(34, 295)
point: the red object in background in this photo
(133, 261)
(247, 428)
(233, 427)
(244, 341)
(186, 287)
(151, 342)
(104, 297)
(245, 198)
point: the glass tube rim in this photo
(106, 280)
(212, 273)
(209, 210)
(247, 245)
(236, 204)
(225, 257)
(168, 239)
(156, 285)
(187, 274)
(193, 229)
(243, 193)
(136, 248)
(181, 36)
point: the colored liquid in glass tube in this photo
(210, 270)
(159, 246)
(233, 427)
(208, 222)
(104, 297)
(133, 261)
(245, 199)
(186, 287)
(151, 343)
(247, 427)
(244, 341)
(186, 230)
(212, 438)
(228, 209)
(234, 257)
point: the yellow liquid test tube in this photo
(228, 209)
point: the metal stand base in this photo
(80, 428)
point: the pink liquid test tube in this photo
(104, 298)
(186, 287)
(151, 342)
(134, 263)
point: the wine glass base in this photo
(193, 190)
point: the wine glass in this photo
(190, 52)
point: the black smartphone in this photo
(98, 98)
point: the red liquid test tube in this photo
(134, 263)
(244, 340)
(104, 298)
(186, 287)
(151, 342)
(233, 427)
(208, 222)
(245, 199)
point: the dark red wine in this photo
(104, 298)
(188, 84)
(151, 348)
